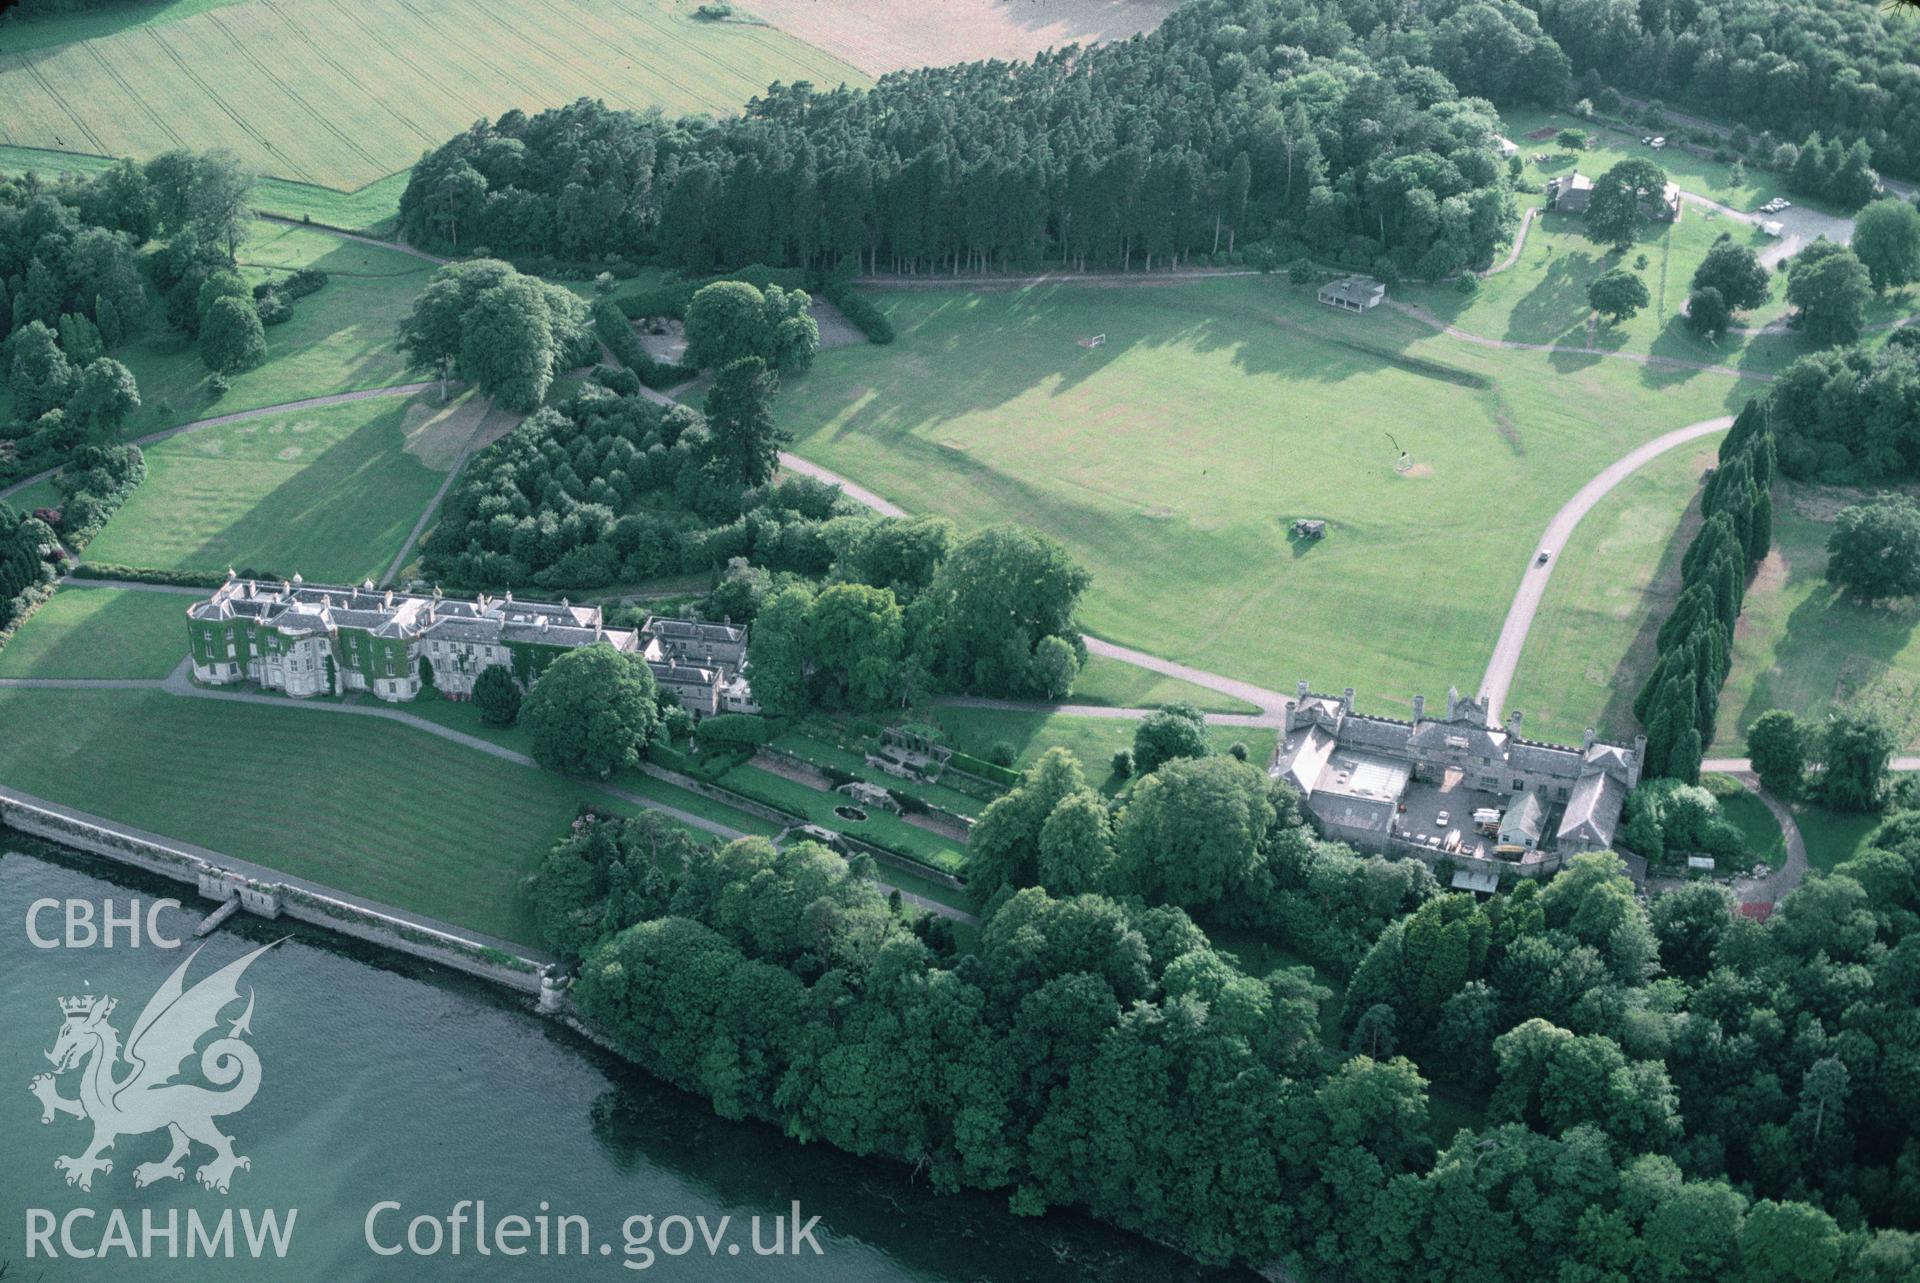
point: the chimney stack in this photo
(1346, 699)
(1513, 724)
(1453, 701)
(1419, 708)
(1300, 690)
(1586, 741)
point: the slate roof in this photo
(1593, 810)
(1524, 822)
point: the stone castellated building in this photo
(310, 639)
(1452, 785)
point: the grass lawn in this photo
(1833, 837)
(1171, 460)
(1118, 684)
(339, 95)
(86, 631)
(1751, 816)
(358, 804)
(1591, 644)
(328, 493)
(40, 494)
(339, 340)
(1093, 740)
(1801, 645)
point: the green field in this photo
(1801, 645)
(1750, 815)
(1832, 837)
(371, 209)
(1542, 298)
(362, 805)
(1093, 740)
(340, 95)
(1118, 684)
(88, 631)
(338, 340)
(328, 493)
(1591, 644)
(1172, 459)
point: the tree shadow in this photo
(1558, 304)
(1616, 718)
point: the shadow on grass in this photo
(1617, 718)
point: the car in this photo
(1541, 560)
(1646, 138)
(1657, 143)
(1785, 203)
(1442, 819)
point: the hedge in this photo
(735, 728)
(984, 770)
(611, 324)
(170, 578)
(859, 309)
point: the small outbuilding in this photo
(1353, 293)
(1508, 148)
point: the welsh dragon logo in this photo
(146, 1097)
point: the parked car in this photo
(1442, 819)
(1541, 560)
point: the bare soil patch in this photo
(879, 36)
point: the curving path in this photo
(1533, 584)
(1425, 317)
(238, 416)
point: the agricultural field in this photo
(879, 36)
(1094, 740)
(342, 95)
(86, 630)
(1802, 645)
(1172, 460)
(1591, 644)
(218, 775)
(330, 493)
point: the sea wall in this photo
(262, 892)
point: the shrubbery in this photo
(600, 490)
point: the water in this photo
(385, 1080)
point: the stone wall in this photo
(381, 925)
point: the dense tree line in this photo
(609, 487)
(1207, 833)
(909, 608)
(1315, 125)
(25, 571)
(1694, 649)
(1099, 1051)
(1798, 65)
(509, 335)
(1849, 416)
